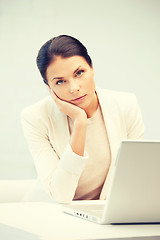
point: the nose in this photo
(74, 86)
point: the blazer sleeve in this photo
(134, 121)
(59, 176)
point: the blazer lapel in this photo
(61, 130)
(111, 120)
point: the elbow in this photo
(60, 194)
(63, 201)
(62, 190)
(62, 198)
(62, 187)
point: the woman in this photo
(74, 133)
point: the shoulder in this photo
(119, 98)
(40, 109)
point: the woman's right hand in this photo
(74, 112)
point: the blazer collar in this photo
(108, 109)
(109, 112)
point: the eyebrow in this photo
(63, 77)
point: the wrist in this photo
(80, 121)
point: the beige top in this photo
(93, 176)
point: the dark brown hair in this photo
(64, 46)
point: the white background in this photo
(122, 38)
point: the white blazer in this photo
(47, 133)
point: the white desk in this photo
(46, 221)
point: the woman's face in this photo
(72, 79)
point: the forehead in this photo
(60, 66)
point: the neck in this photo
(92, 108)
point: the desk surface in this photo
(46, 221)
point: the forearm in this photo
(65, 178)
(63, 186)
(78, 136)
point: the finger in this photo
(55, 97)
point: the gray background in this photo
(123, 40)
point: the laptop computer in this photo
(134, 190)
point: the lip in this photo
(79, 99)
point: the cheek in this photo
(92, 87)
(57, 91)
(91, 83)
(61, 93)
(88, 78)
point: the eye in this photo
(79, 73)
(59, 82)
